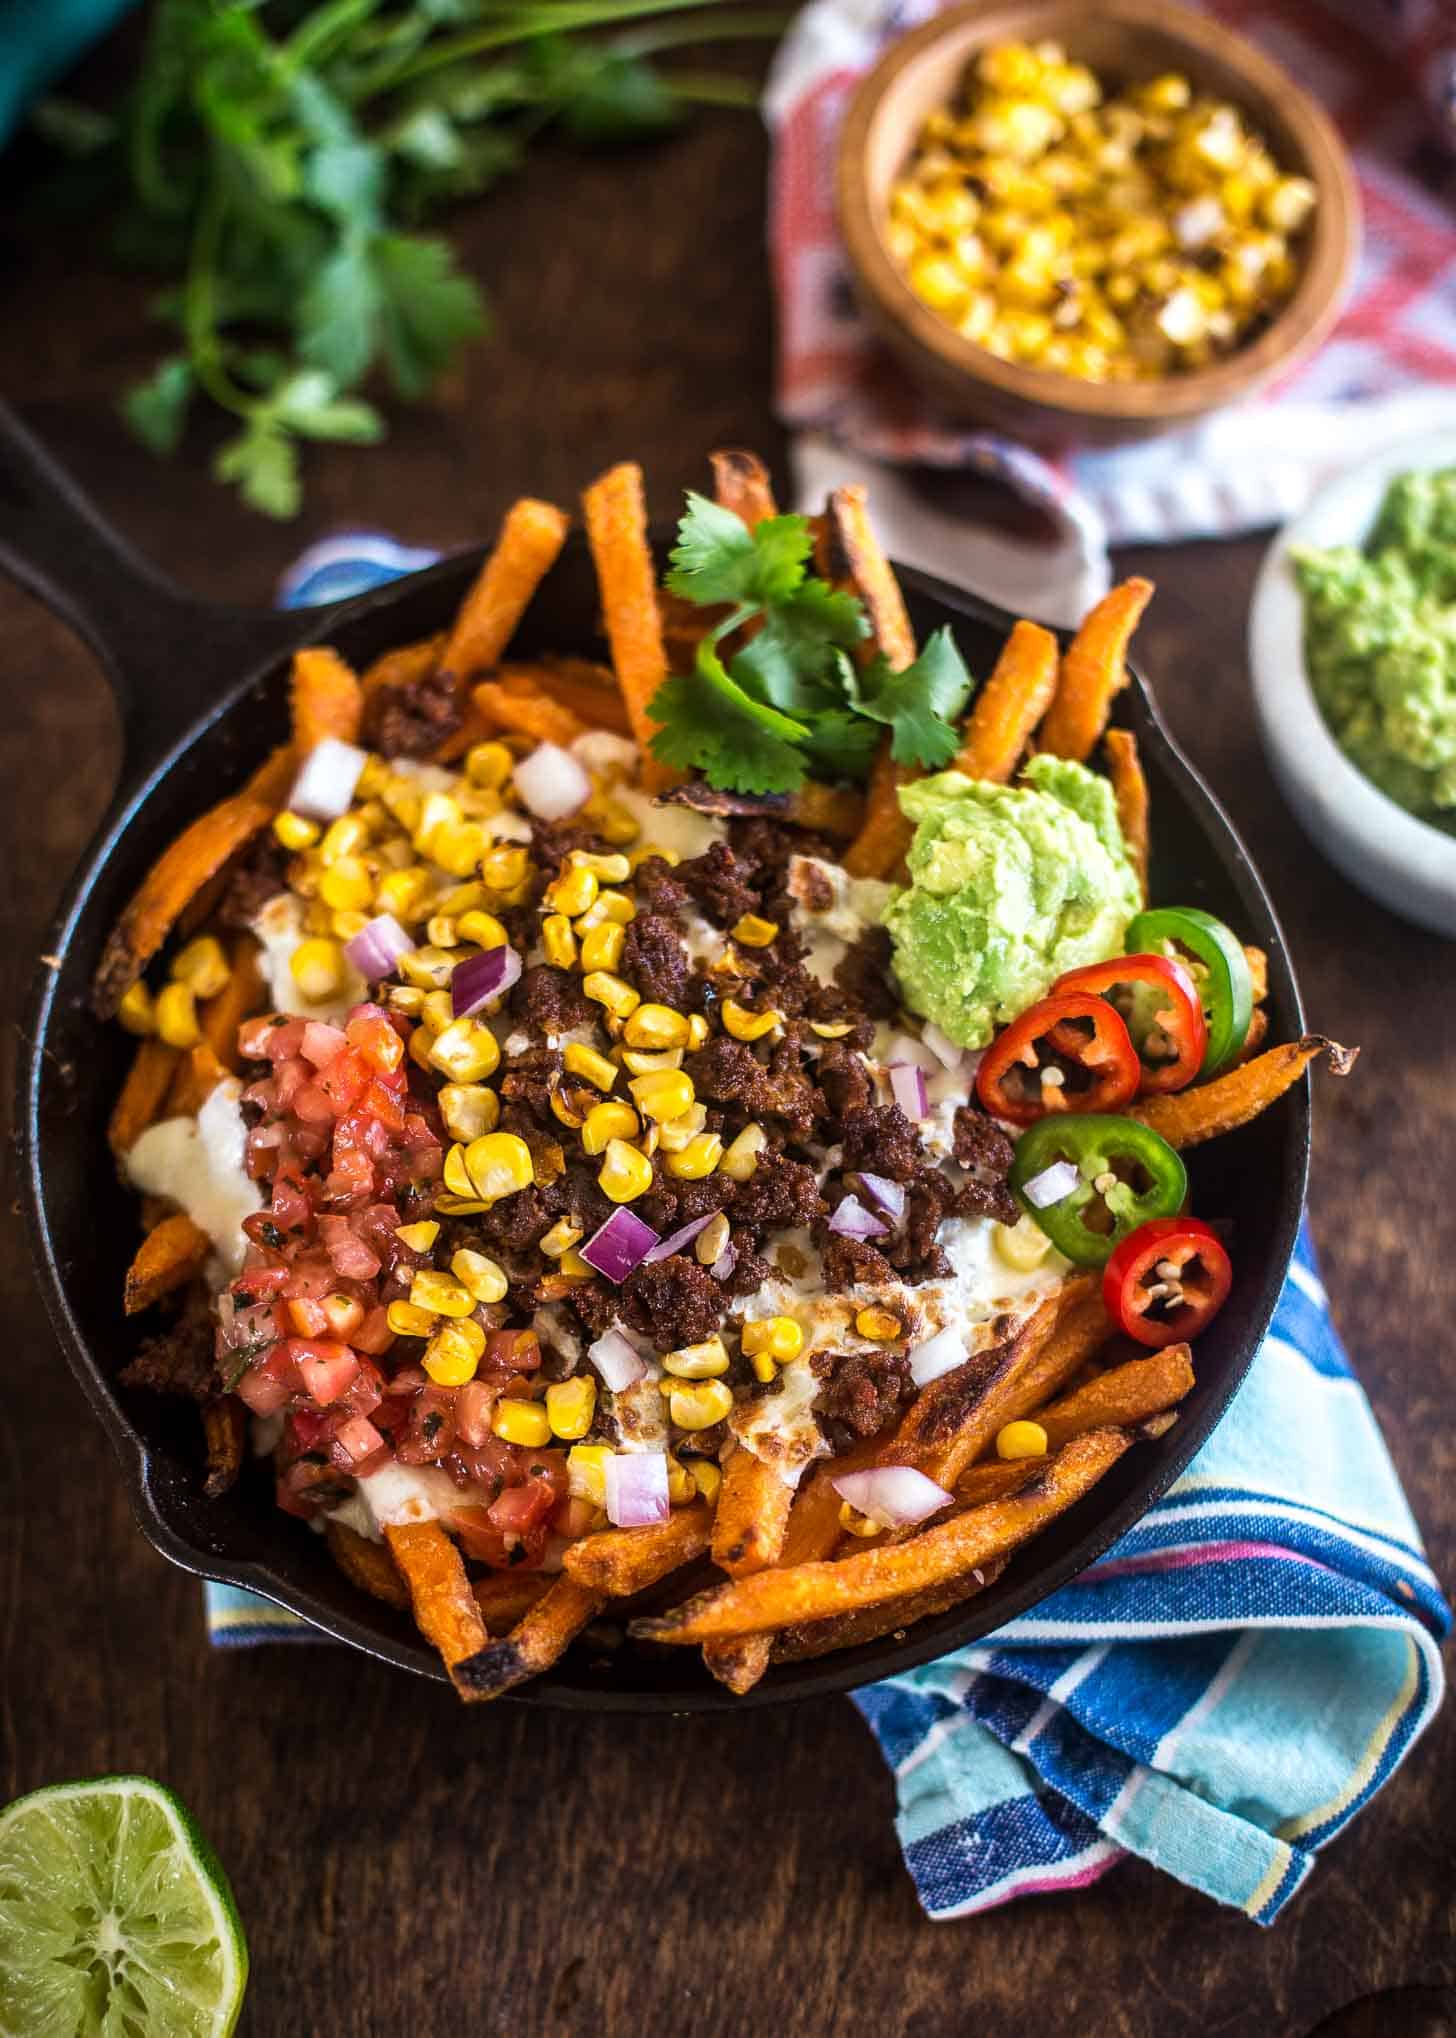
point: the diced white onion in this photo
(939, 1354)
(942, 1046)
(1051, 1185)
(616, 1360)
(896, 1496)
(637, 1488)
(551, 782)
(327, 779)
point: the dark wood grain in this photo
(403, 1867)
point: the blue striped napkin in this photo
(1220, 1694)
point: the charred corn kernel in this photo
(295, 831)
(740, 1156)
(697, 1030)
(567, 1107)
(572, 892)
(488, 765)
(609, 905)
(344, 926)
(638, 1062)
(440, 1292)
(681, 1486)
(664, 1095)
(521, 1422)
(650, 1140)
(202, 966)
(429, 967)
(480, 1274)
(711, 1240)
(401, 893)
(880, 1324)
(455, 1174)
(640, 854)
(343, 838)
(680, 1133)
(616, 824)
(441, 931)
(574, 1266)
(586, 1472)
(562, 1236)
(458, 1206)
(590, 1064)
(468, 1109)
(697, 1159)
(780, 1336)
(708, 1478)
(483, 929)
(459, 849)
(746, 1025)
(316, 966)
(608, 870)
(1022, 1245)
(373, 778)
(655, 1027)
(437, 811)
(601, 947)
(605, 989)
(137, 1010)
(558, 942)
(453, 1353)
(765, 1369)
(827, 1029)
(466, 1051)
(625, 1173)
(466, 898)
(570, 1406)
(755, 932)
(405, 1319)
(437, 1011)
(854, 1523)
(698, 1362)
(505, 867)
(606, 1122)
(698, 1404)
(499, 1164)
(1021, 1440)
(176, 1011)
(420, 1042)
(419, 1237)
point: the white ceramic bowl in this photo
(1404, 863)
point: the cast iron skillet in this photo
(201, 693)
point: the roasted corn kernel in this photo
(419, 1237)
(780, 1336)
(606, 1122)
(710, 1241)
(586, 1472)
(428, 968)
(854, 1523)
(681, 1486)
(697, 1159)
(601, 947)
(437, 1011)
(746, 1025)
(441, 1293)
(505, 868)
(613, 992)
(590, 1064)
(698, 1404)
(406, 1319)
(1021, 1440)
(498, 1164)
(755, 932)
(521, 1422)
(466, 1051)
(698, 1362)
(468, 1109)
(176, 1011)
(479, 1273)
(488, 765)
(483, 929)
(295, 831)
(609, 905)
(137, 1010)
(558, 942)
(765, 1369)
(880, 1324)
(707, 1477)
(202, 966)
(316, 966)
(402, 893)
(562, 1236)
(572, 892)
(639, 1061)
(654, 1027)
(454, 1352)
(740, 1156)
(610, 870)
(663, 1095)
(681, 1132)
(570, 1406)
(1022, 1245)
(625, 1173)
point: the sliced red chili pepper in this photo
(1167, 1280)
(1157, 1000)
(1069, 1053)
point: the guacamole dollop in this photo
(1380, 644)
(1010, 885)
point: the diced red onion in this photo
(939, 1354)
(676, 1240)
(327, 778)
(619, 1245)
(551, 782)
(896, 1496)
(941, 1046)
(637, 1488)
(1051, 1185)
(480, 978)
(617, 1360)
(376, 949)
(907, 1086)
(852, 1220)
(726, 1261)
(889, 1195)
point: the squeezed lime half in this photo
(116, 1919)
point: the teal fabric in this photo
(39, 41)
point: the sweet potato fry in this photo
(853, 558)
(531, 536)
(1010, 704)
(503, 1596)
(538, 1640)
(827, 809)
(142, 1094)
(616, 529)
(1130, 789)
(366, 1564)
(994, 1478)
(621, 1561)
(240, 997)
(198, 1075)
(170, 1254)
(405, 664)
(225, 1431)
(527, 714)
(953, 1549)
(1258, 963)
(748, 1533)
(741, 483)
(1121, 1396)
(325, 698)
(589, 690)
(1189, 1117)
(1094, 667)
(850, 1630)
(444, 1606)
(182, 869)
(1257, 1034)
(884, 833)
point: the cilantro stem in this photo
(199, 305)
(521, 27)
(732, 25)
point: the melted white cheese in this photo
(197, 1163)
(680, 829)
(279, 928)
(609, 755)
(856, 903)
(397, 1494)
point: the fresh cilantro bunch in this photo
(791, 701)
(275, 158)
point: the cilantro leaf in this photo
(429, 308)
(919, 705)
(711, 724)
(841, 743)
(263, 461)
(718, 559)
(156, 409)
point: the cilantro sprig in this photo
(274, 160)
(791, 700)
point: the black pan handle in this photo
(167, 656)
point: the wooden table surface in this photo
(404, 1867)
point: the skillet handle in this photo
(166, 655)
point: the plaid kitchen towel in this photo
(1386, 374)
(1219, 1694)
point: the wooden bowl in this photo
(1120, 40)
